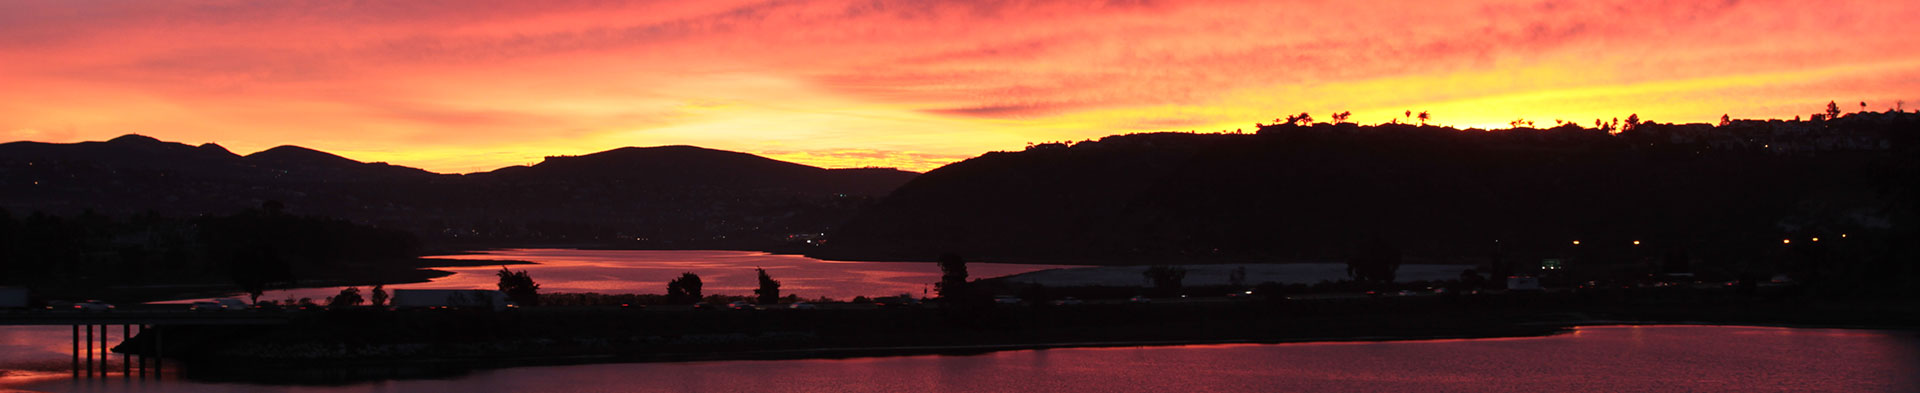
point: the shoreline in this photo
(453, 367)
(415, 270)
(326, 373)
(323, 351)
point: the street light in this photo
(1576, 242)
(1636, 242)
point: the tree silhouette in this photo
(1341, 117)
(1166, 279)
(1725, 120)
(684, 290)
(1633, 121)
(1375, 261)
(1863, 107)
(350, 296)
(519, 287)
(379, 295)
(769, 291)
(1833, 110)
(1424, 117)
(953, 276)
(1301, 119)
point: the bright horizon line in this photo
(1317, 121)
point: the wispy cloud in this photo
(942, 79)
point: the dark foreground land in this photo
(346, 346)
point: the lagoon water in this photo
(1587, 359)
(1592, 359)
(30, 353)
(722, 272)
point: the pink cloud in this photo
(449, 73)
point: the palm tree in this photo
(1424, 117)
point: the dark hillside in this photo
(657, 197)
(1688, 192)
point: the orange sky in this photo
(460, 86)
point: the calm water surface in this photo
(721, 272)
(1590, 359)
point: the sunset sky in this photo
(462, 86)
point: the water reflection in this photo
(1673, 358)
(723, 272)
(31, 354)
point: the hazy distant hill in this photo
(1318, 192)
(672, 196)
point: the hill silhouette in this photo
(1727, 195)
(689, 166)
(670, 196)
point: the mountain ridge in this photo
(671, 196)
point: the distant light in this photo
(1636, 242)
(1576, 242)
(1786, 241)
(1843, 236)
(1816, 239)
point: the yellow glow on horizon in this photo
(463, 87)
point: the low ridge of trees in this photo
(254, 250)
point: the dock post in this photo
(89, 351)
(159, 352)
(76, 350)
(126, 367)
(103, 350)
(144, 356)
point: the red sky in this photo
(460, 86)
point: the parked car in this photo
(703, 306)
(742, 305)
(1007, 300)
(93, 305)
(1139, 300)
(208, 305)
(803, 306)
